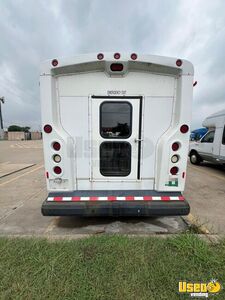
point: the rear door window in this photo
(115, 120)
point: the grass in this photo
(107, 267)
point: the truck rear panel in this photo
(120, 125)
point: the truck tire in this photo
(195, 159)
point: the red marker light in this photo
(57, 170)
(47, 128)
(100, 56)
(174, 170)
(175, 146)
(55, 62)
(56, 146)
(179, 62)
(116, 67)
(117, 55)
(133, 56)
(184, 128)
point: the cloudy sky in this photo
(33, 31)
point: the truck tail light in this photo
(57, 158)
(56, 146)
(47, 128)
(184, 128)
(174, 170)
(174, 158)
(57, 170)
(116, 67)
(175, 146)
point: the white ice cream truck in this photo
(116, 134)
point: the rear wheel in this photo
(195, 159)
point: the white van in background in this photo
(211, 146)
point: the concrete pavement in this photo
(205, 191)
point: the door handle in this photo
(138, 140)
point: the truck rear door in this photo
(116, 138)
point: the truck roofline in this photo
(186, 67)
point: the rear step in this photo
(115, 203)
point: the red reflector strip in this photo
(75, 198)
(93, 198)
(147, 198)
(129, 198)
(119, 198)
(165, 198)
(111, 198)
(58, 198)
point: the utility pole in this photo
(2, 101)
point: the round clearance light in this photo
(184, 128)
(55, 62)
(100, 56)
(174, 170)
(57, 158)
(47, 128)
(56, 146)
(133, 56)
(179, 62)
(117, 55)
(116, 67)
(175, 146)
(174, 159)
(57, 170)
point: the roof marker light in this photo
(47, 128)
(179, 62)
(117, 55)
(133, 56)
(100, 56)
(55, 62)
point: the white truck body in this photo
(116, 120)
(211, 146)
